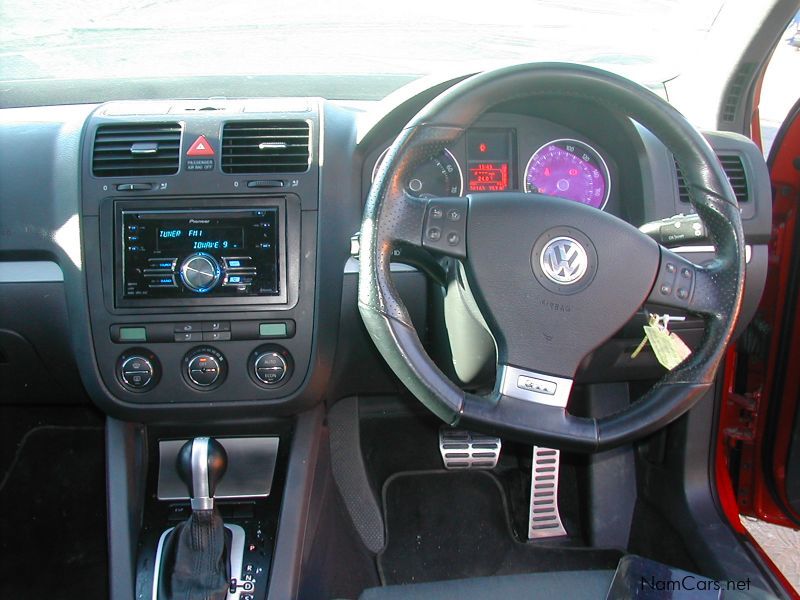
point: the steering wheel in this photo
(552, 278)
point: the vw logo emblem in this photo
(563, 260)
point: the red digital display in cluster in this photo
(488, 177)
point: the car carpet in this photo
(53, 516)
(451, 525)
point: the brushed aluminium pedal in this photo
(544, 520)
(463, 449)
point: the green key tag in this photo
(670, 350)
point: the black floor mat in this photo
(53, 516)
(452, 525)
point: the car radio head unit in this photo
(174, 255)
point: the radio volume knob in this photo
(200, 272)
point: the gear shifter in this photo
(195, 556)
(201, 464)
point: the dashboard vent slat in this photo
(734, 169)
(266, 147)
(118, 151)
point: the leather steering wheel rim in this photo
(394, 218)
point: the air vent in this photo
(265, 147)
(141, 149)
(734, 169)
(683, 187)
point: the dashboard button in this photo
(187, 327)
(270, 365)
(204, 369)
(138, 370)
(216, 325)
(187, 336)
(216, 336)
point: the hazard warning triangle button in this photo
(201, 147)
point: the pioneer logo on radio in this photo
(200, 221)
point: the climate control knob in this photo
(270, 365)
(200, 272)
(204, 368)
(138, 370)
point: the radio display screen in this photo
(225, 253)
(199, 238)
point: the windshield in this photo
(91, 40)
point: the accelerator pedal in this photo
(463, 449)
(544, 520)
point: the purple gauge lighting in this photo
(569, 169)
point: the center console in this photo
(200, 250)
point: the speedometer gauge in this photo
(439, 176)
(569, 169)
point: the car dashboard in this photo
(191, 260)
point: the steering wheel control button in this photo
(138, 370)
(445, 226)
(564, 260)
(675, 282)
(270, 365)
(533, 384)
(534, 387)
(200, 272)
(204, 368)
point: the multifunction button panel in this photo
(202, 331)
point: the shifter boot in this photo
(195, 559)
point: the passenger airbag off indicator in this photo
(200, 147)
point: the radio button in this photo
(161, 264)
(238, 262)
(237, 280)
(160, 281)
(200, 272)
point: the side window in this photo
(781, 87)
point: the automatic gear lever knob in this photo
(201, 464)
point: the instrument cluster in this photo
(548, 160)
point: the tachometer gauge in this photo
(569, 169)
(439, 176)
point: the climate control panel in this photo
(205, 368)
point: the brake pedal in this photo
(463, 449)
(544, 520)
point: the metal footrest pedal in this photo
(544, 521)
(463, 449)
